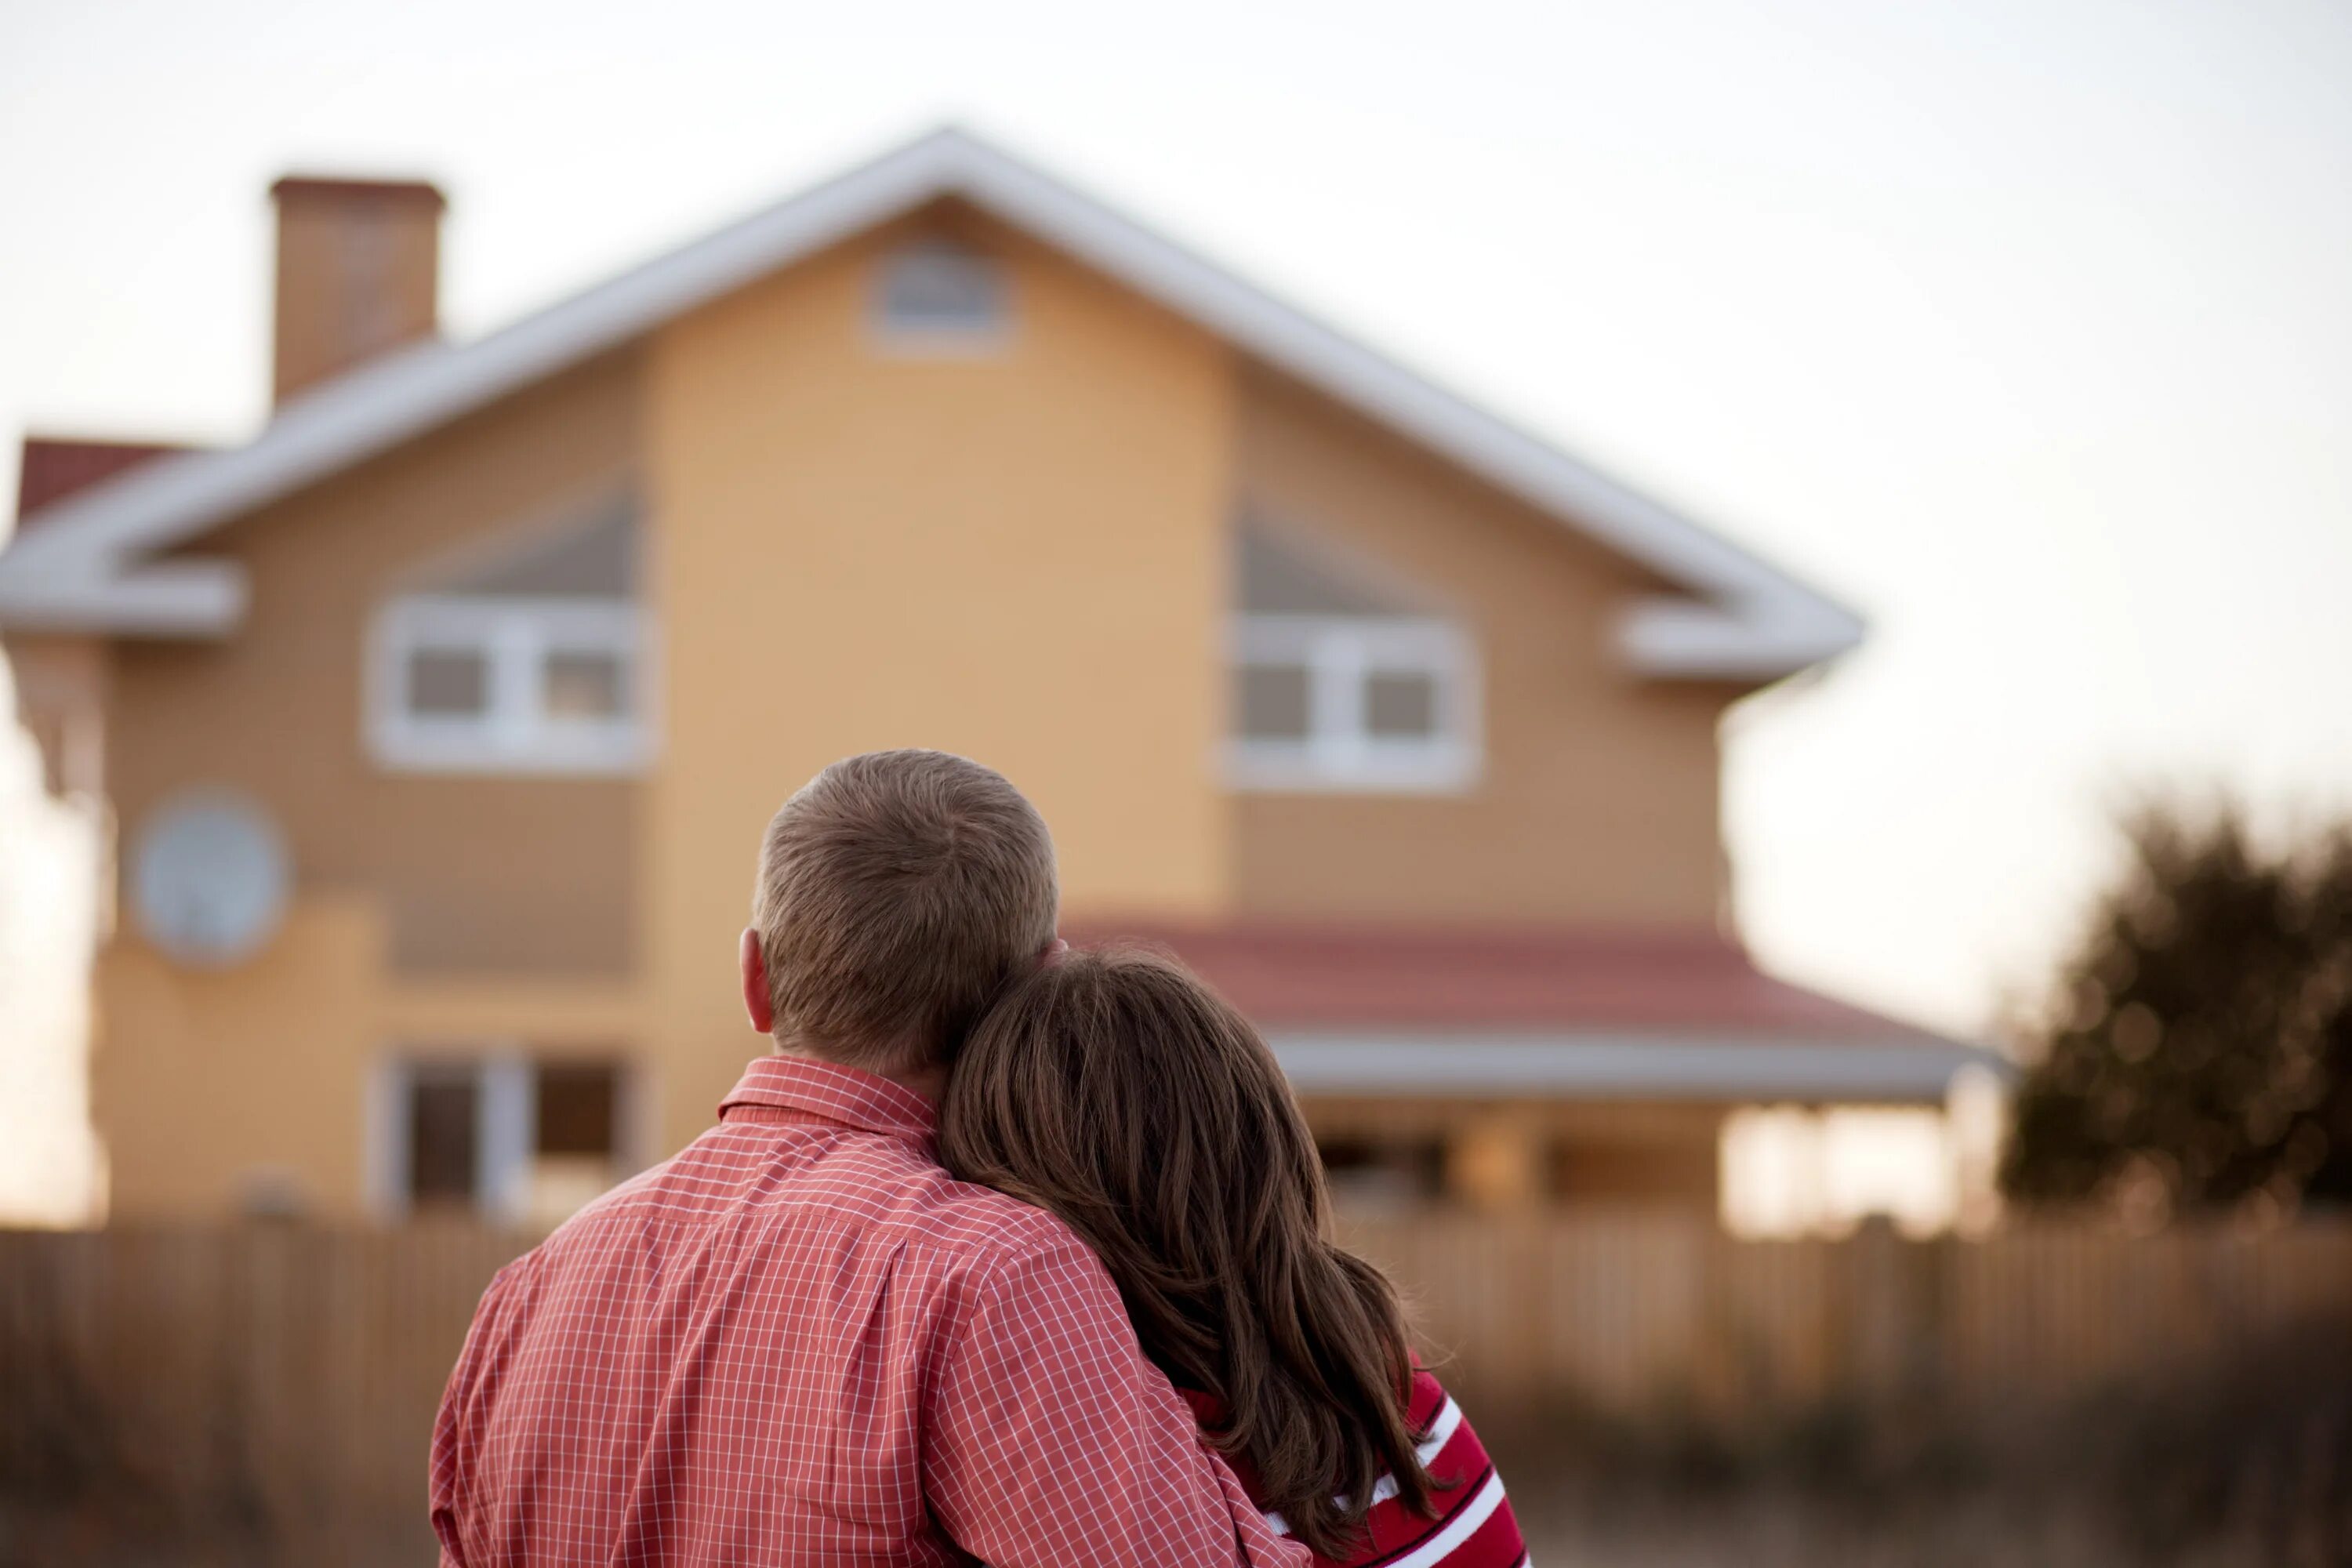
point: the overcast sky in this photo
(2024, 327)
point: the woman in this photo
(1122, 1094)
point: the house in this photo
(440, 721)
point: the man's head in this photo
(897, 892)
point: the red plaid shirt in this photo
(801, 1342)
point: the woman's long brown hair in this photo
(1124, 1095)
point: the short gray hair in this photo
(898, 892)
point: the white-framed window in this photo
(1353, 702)
(500, 1133)
(936, 297)
(486, 683)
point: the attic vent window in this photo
(942, 297)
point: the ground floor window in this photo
(506, 1135)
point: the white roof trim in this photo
(1625, 1066)
(165, 598)
(1753, 621)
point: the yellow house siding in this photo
(207, 1084)
(476, 873)
(1597, 800)
(427, 910)
(1017, 554)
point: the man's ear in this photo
(754, 965)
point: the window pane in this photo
(575, 1107)
(1273, 702)
(449, 682)
(442, 1158)
(1401, 705)
(586, 685)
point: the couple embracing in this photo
(1004, 1253)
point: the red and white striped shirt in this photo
(801, 1342)
(1473, 1528)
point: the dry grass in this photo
(2251, 1465)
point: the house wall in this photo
(208, 1084)
(421, 901)
(60, 699)
(1018, 555)
(1598, 800)
(1022, 554)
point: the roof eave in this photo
(1590, 1064)
(1682, 639)
(171, 599)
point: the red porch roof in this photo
(1503, 979)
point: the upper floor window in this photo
(532, 662)
(940, 296)
(1336, 685)
(1352, 702)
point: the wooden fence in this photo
(282, 1379)
(270, 1389)
(1641, 1316)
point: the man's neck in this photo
(931, 1082)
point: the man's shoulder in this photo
(885, 1192)
(974, 1242)
(985, 1230)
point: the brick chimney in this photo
(358, 272)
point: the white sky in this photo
(2024, 326)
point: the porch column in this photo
(1494, 1159)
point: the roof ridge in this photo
(1744, 619)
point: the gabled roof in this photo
(89, 566)
(1502, 977)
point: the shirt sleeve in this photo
(455, 1425)
(445, 1473)
(1050, 1440)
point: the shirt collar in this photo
(831, 1092)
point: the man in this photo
(799, 1341)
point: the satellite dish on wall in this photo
(209, 878)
